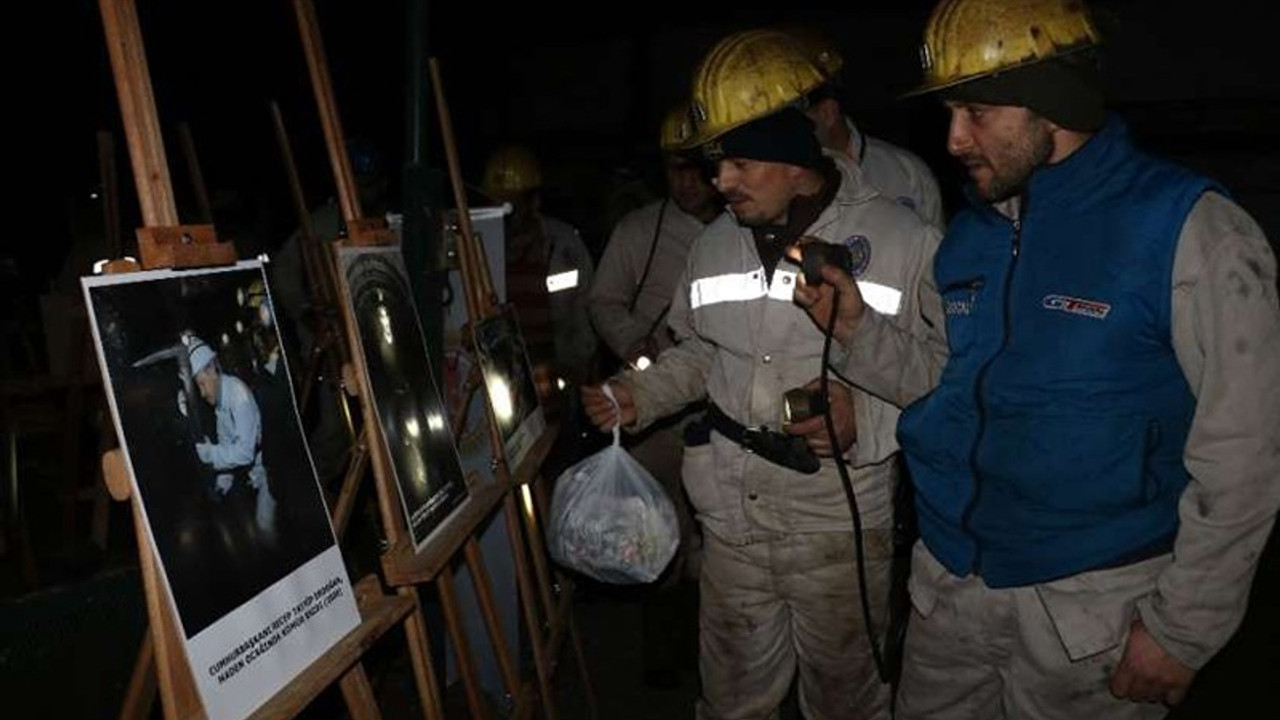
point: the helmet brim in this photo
(935, 86)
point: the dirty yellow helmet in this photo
(747, 76)
(511, 170)
(677, 129)
(822, 52)
(969, 39)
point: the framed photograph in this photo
(411, 414)
(204, 408)
(468, 405)
(464, 390)
(508, 378)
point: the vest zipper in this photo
(980, 383)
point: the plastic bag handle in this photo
(617, 411)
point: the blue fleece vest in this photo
(1053, 443)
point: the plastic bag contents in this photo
(610, 519)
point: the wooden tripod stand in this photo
(164, 243)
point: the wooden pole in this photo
(478, 300)
(308, 245)
(313, 47)
(461, 645)
(194, 172)
(291, 170)
(137, 106)
(489, 608)
(141, 692)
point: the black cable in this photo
(648, 262)
(644, 276)
(877, 654)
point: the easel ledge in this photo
(183, 246)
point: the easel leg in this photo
(533, 508)
(566, 586)
(462, 647)
(350, 485)
(420, 653)
(484, 593)
(358, 694)
(141, 693)
(529, 603)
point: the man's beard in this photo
(1019, 161)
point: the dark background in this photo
(586, 88)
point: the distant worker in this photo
(896, 172)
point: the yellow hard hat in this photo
(511, 170)
(969, 39)
(747, 76)
(677, 129)
(819, 47)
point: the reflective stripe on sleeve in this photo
(566, 280)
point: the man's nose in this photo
(959, 139)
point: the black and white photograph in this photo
(508, 377)
(206, 416)
(411, 412)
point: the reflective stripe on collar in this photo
(566, 280)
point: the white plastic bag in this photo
(610, 519)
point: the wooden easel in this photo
(548, 617)
(164, 243)
(548, 610)
(404, 568)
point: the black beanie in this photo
(1065, 90)
(785, 136)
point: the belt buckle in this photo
(751, 436)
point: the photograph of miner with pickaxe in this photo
(216, 448)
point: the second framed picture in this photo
(413, 421)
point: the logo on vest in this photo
(1076, 306)
(959, 307)
(859, 248)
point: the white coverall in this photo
(779, 586)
